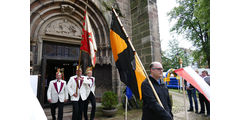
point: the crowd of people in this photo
(191, 91)
(81, 90)
(153, 110)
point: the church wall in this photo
(138, 18)
(145, 33)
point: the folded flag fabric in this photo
(196, 80)
(127, 62)
(128, 92)
(88, 40)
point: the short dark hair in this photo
(205, 72)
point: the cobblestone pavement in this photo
(178, 111)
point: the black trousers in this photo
(92, 99)
(204, 102)
(60, 110)
(207, 103)
(201, 100)
(77, 109)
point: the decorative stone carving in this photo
(103, 60)
(67, 9)
(103, 46)
(63, 27)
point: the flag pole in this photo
(80, 54)
(154, 91)
(126, 107)
(79, 61)
(184, 94)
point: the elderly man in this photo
(77, 90)
(57, 94)
(151, 108)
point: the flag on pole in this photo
(193, 78)
(129, 67)
(88, 40)
(128, 93)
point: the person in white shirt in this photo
(77, 90)
(91, 95)
(57, 94)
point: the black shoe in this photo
(207, 115)
(196, 111)
(190, 110)
(201, 112)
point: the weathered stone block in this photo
(145, 33)
(146, 51)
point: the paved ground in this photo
(178, 111)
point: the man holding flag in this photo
(132, 73)
(151, 109)
(79, 89)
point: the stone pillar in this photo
(154, 30)
(145, 33)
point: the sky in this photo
(164, 6)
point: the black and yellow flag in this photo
(129, 66)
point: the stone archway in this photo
(61, 22)
(45, 11)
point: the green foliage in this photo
(170, 58)
(166, 62)
(109, 100)
(108, 4)
(139, 103)
(199, 58)
(193, 21)
(202, 12)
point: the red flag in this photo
(196, 80)
(88, 40)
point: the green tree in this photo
(202, 12)
(166, 62)
(193, 21)
(170, 58)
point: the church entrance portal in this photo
(67, 67)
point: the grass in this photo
(174, 90)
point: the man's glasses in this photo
(157, 68)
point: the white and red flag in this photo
(88, 40)
(196, 80)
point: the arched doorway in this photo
(56, 29)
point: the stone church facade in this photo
(55, 36)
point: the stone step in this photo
(67, 111)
